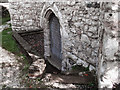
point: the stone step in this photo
(37, 68)
(71, 79)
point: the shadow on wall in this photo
(5, 15)
(5, 12)
(116, 87)
(3, 1)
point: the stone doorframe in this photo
(47, 10)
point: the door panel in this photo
(55, 38)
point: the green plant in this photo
(91, 84)
(4, 86)
(35, 89)
(87, 69)
(80, 68)
(39, 79)
(26, 63)
(26, 67)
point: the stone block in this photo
(85, 39)
(93, 29)
(73, 57)
(91, 68)
(81, 62)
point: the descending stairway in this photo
(48, 74)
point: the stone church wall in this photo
(25, 15)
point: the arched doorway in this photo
(54, 33)
(55, 41)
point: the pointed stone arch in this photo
(44, 22)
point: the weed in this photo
(80, 68)
(26, 67)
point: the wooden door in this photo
(55, 39)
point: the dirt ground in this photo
(9, 69)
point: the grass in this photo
(8, 42)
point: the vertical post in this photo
(108, 65)
(0, 25)
(119, 42)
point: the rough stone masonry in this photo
(89, 33)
